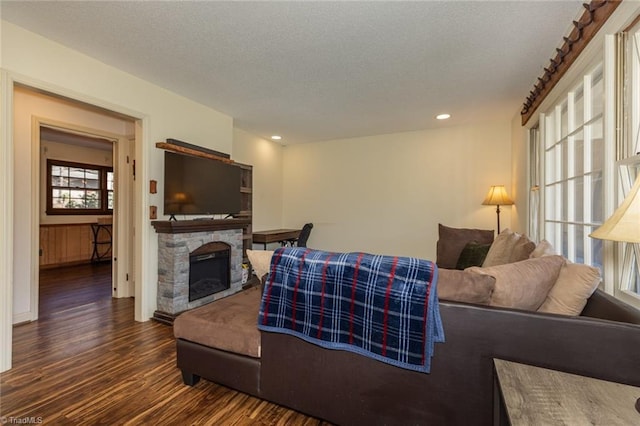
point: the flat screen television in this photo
(200, 186)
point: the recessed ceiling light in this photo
(276, 137)
(442, 116)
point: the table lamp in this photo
(624, 226)
(497, 196)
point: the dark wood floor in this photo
(86, 361)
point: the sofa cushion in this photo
(509, 247)
(260, 261)
(524, 284)
(461, 286)
(229, 324)
(575, 284)
(451, 242)
(473, 254)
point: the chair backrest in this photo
(304, 235)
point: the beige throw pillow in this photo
(461, 286)
(575, 284)
(260, 261)
(524, 284)
(544, 248)
(509, 247)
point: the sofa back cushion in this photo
(509, 247)
(525, 284)
(451, 242)
(461, 286)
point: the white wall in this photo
(387, 193)
(35, 61)
(266, 157)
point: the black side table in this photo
(102, 241)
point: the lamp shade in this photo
(624, 224)
(497, 196)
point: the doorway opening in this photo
(82, 188)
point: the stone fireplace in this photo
(198, 262)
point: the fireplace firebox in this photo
(209, 270)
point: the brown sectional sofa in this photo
(350, 389)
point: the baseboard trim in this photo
(21, 318)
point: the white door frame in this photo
(7, 82)
(121, 212)
(6, 220)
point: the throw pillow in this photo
(575, 284)
(544, 248)
(473, 254)
(260, 261)
(524, 284)
(461, 286)
(522, 249)
(451, 242)
(509, 247)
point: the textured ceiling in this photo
(321, 70)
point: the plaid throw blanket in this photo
(382, 307)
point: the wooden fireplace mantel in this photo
(198, 225)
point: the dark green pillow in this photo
(472, 254)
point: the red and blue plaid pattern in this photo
(383, 307)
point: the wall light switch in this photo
(153, 212)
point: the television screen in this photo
(194, 185)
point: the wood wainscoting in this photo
(65, 244)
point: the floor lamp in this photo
(624, 226)
(497, 196)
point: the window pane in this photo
(579, 199)
(596, 249)
(564, 203)
(578, 160)
(110, 200)
(579, 106)
(76, 172)
(92, 199)
(110, 181)
(92, 183)
(76, 183)
(59, 181)
(597, 154)
(564, 123)
(565, 159)
(92, 174)
(59, 171)
(597, 93)
(597, 197)
(61, 193)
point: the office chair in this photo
(304, 235)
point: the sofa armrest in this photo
(604, 306)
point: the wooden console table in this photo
(281, 236)
(528, 395)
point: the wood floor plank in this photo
(86, 362)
